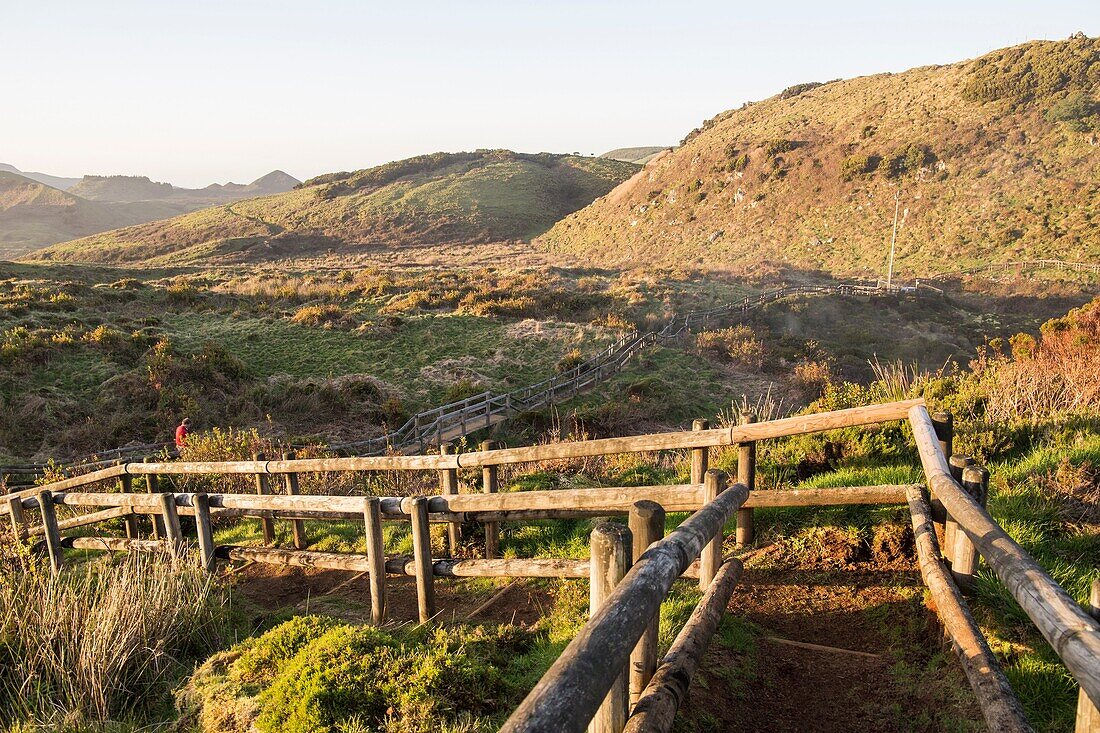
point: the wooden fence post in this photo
(298, 526)
(957, 463)
(944, 425)
(417, 509)
(489, 482)
(50, 531)
(647, 525)
(18, 519)
(151, 487)
(172, 531)
(746, 474)
(964, 556)
(610, 559)
(448, 486)
(714, 483)
(126, 485)
(1088, 714)
(205, 531)
(700, 457)
(376, 556)
(263, 486)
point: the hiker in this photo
(182, 431)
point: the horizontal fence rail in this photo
(1074, 634)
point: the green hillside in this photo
(996, 158)
(443, 198)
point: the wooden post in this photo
(448, 486)
(298, 526)
(700, 457)
(126, 485)
(647, 525)
(18, 519)
(610, 559)
(417, 509)
(172, 531)
(944, 425)
(714, 483)
(263, 486)
(1088, 715)
(656, 709)
(201, 505)
(964, 556)
(489, 482)
(746, 474)
(372, 521)
(50, 530)
(151, 481)
(950, 527)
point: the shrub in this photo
(318, 315)
(773, 148)
(735, 345)
(1034, 70)
(859, 165)
(794, 91)
(1074, 110)
(314, 674)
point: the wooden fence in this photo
(609, 677)
(1021, 266)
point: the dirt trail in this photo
(772, 686)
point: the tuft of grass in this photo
(102, 643)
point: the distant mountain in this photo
(640, 156)
(33, 215)
(37, 214)
(140, 188)
(997, 158)
(431, 200)
(58, 182)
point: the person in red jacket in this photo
(182, 431)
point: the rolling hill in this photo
(33, 215)
(439, 199)
(639, 155)
(994, 158)
(59, 182)
(129, 189)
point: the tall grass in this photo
(103, 642)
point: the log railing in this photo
(592, 681)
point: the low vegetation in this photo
(104, 642)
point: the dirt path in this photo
(764, 685)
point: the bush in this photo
(773, 148)
(318, 315)
(314, 675)
(1034, 70)
(736, 345)
(1075, 110)
(859, 165)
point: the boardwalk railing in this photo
(608, 676)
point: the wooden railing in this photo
(1021, 265)
(592, 682)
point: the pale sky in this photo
(197, 91)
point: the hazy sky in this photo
(196, 91)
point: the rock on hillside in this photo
(430, 200)
(996, 158)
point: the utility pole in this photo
(893, 240)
